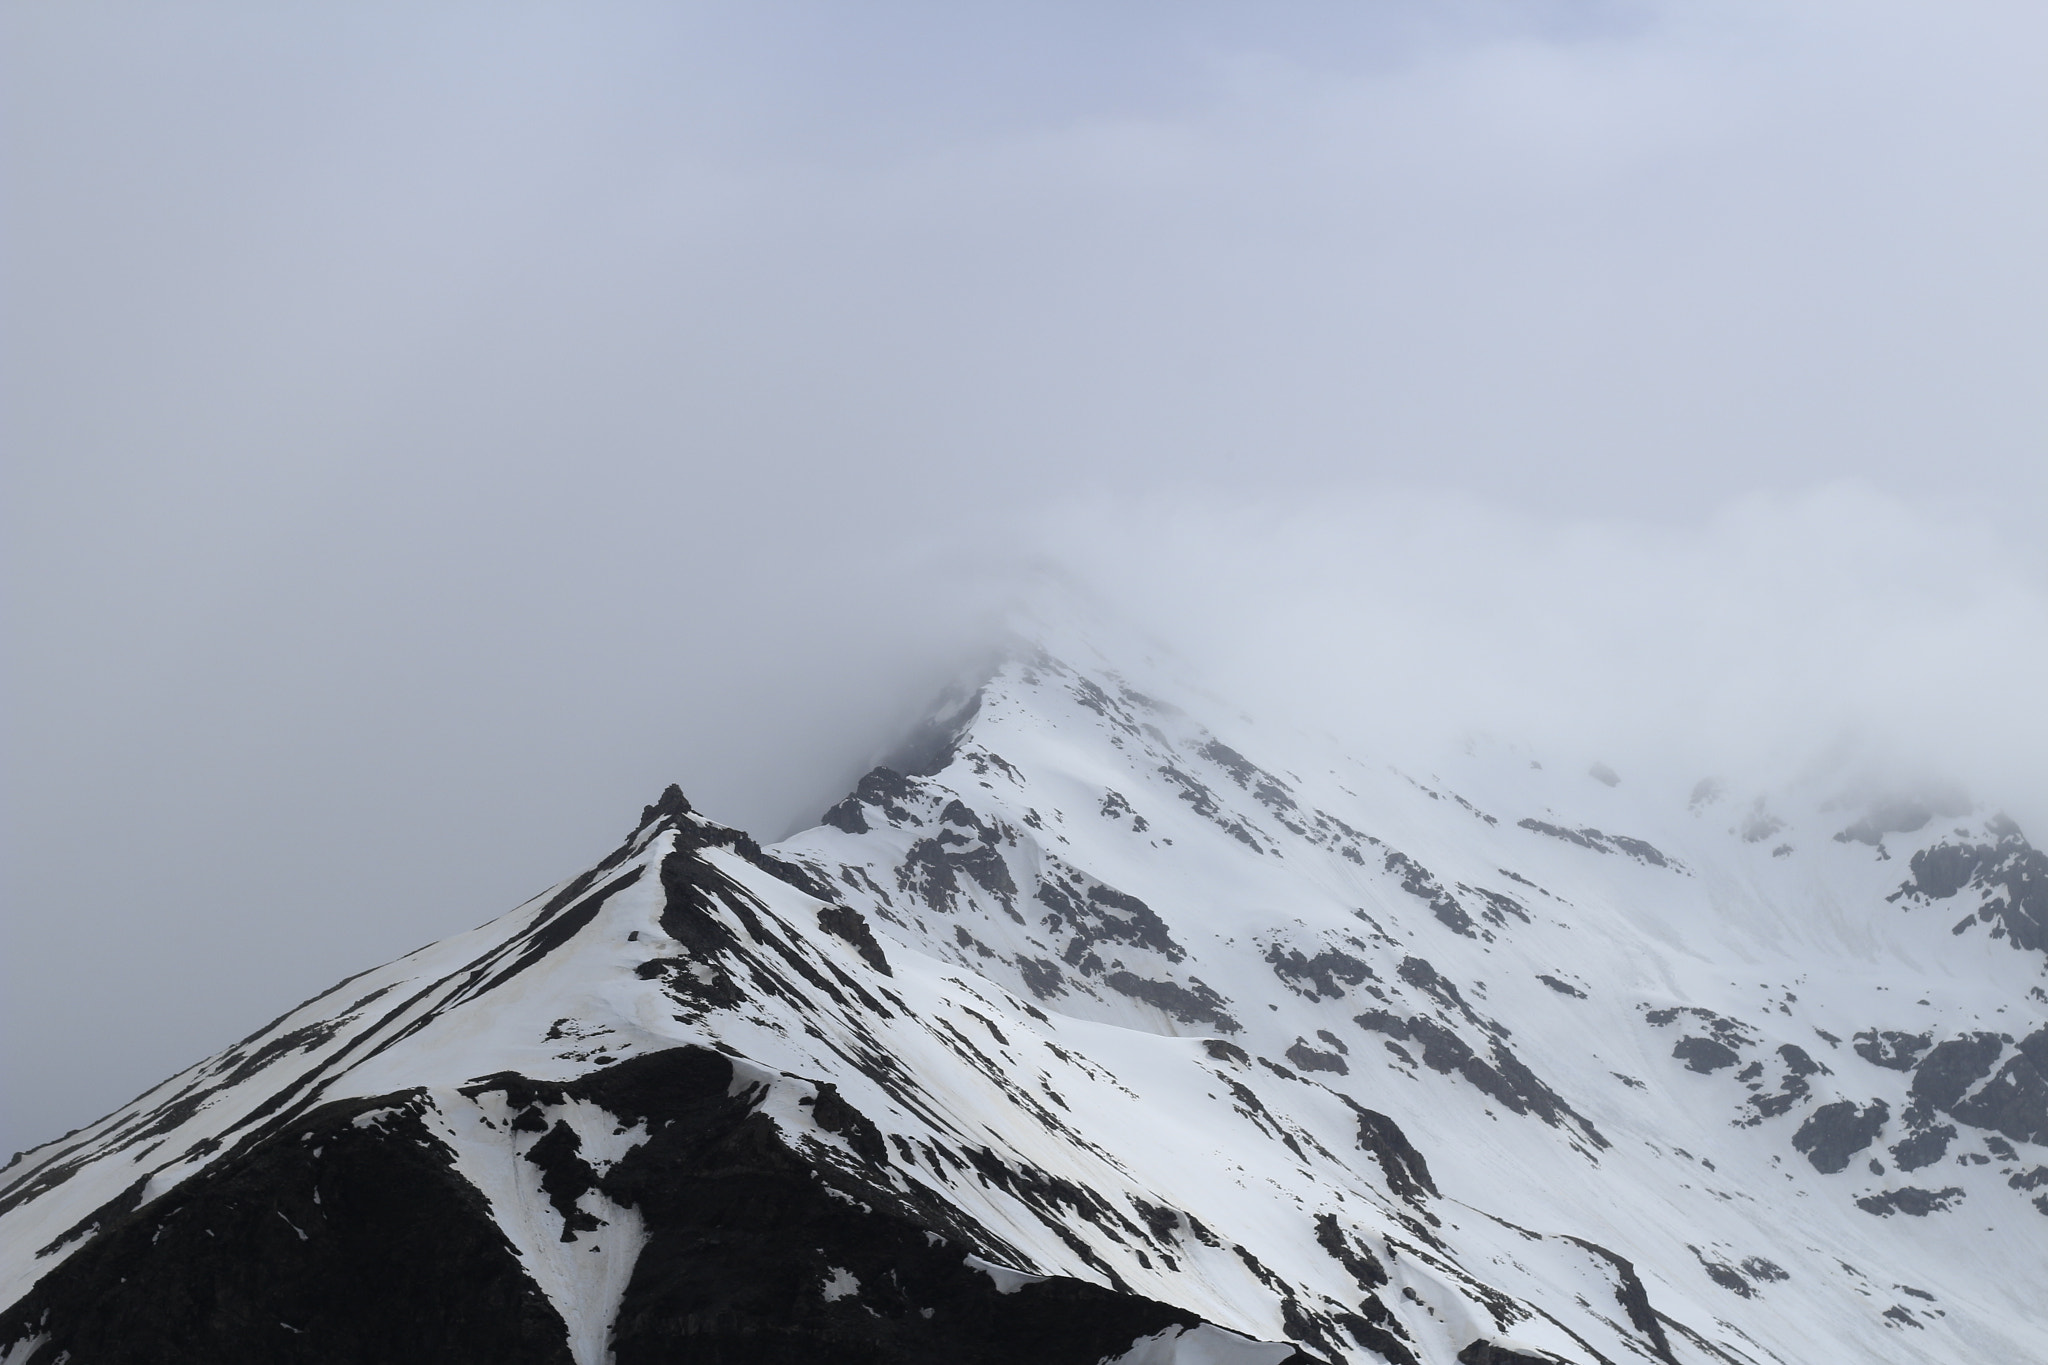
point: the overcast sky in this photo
(431, 428)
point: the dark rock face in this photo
(1891, 1049)
(1484, 1352)
(749, 1259)
(1323, 976)
(1793, 1087)
(1953, 1067)
(2015, 1101)
(1633, 1298)
(1193, 1003)
(1500, 1076)
(327, 1243)
(883, 791)
(1099, 922)
(2010, 877)
(1834, 1133)
(1417, 881)
(1095, 915)
(1924, 1148)
(350, 1237)
(1601, 842)
(1887, 817)
(1406, 1172)
(845, 922)
(1704, 1054)
(1916, 1202)
(1315, 1059)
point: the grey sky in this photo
(430, 429)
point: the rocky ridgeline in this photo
(1088, 1029)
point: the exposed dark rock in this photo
(565, 1177)
(1502, 1078)
(1483, 1352)
(1115, 806)
(1095, 914)
(1704, 1054)
(1891, 1049)
(1417, 881)
(1792, 1088)
(671, 804)
(1205, 804)
(1953, 1067)
(1887, 817)
(331, 1243)
(1916, 1202)
(1267, 789)
(1924, 1147)
(1193, 1003)
(845, 922)
(885, 790)
(1497, 906)
(1405, 1170)
(1560, 987)
(832, 1113)
(1358, 1261)
(1834, 1133)
(1423, 975)
(1798, 1062)
(1323, 976)
(1730, 1278)
(847, 816)
(2010, 877)
(1315, 1059)
(933, 866)
(1634, 1299)
(2015, 1101)
(1730, 1033)
(1042, 976)
(1600, 842)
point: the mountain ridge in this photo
(1296, 1056)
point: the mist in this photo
(430, 430)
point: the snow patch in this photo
(1201, 1345)
(1007, 1281)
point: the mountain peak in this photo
(669, 804)
(1101, 1025)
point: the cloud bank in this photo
(1838, 635)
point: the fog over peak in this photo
(431, 431)
(1836, 632)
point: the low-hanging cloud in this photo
(431, 429)
(1839, 634)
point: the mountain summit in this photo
(1102, 1025)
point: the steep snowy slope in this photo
(1102, 1025)
(1789, 1064)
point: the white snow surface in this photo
(1146, 948)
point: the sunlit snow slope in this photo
(1101, 1025)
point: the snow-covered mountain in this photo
(1102, 1024)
